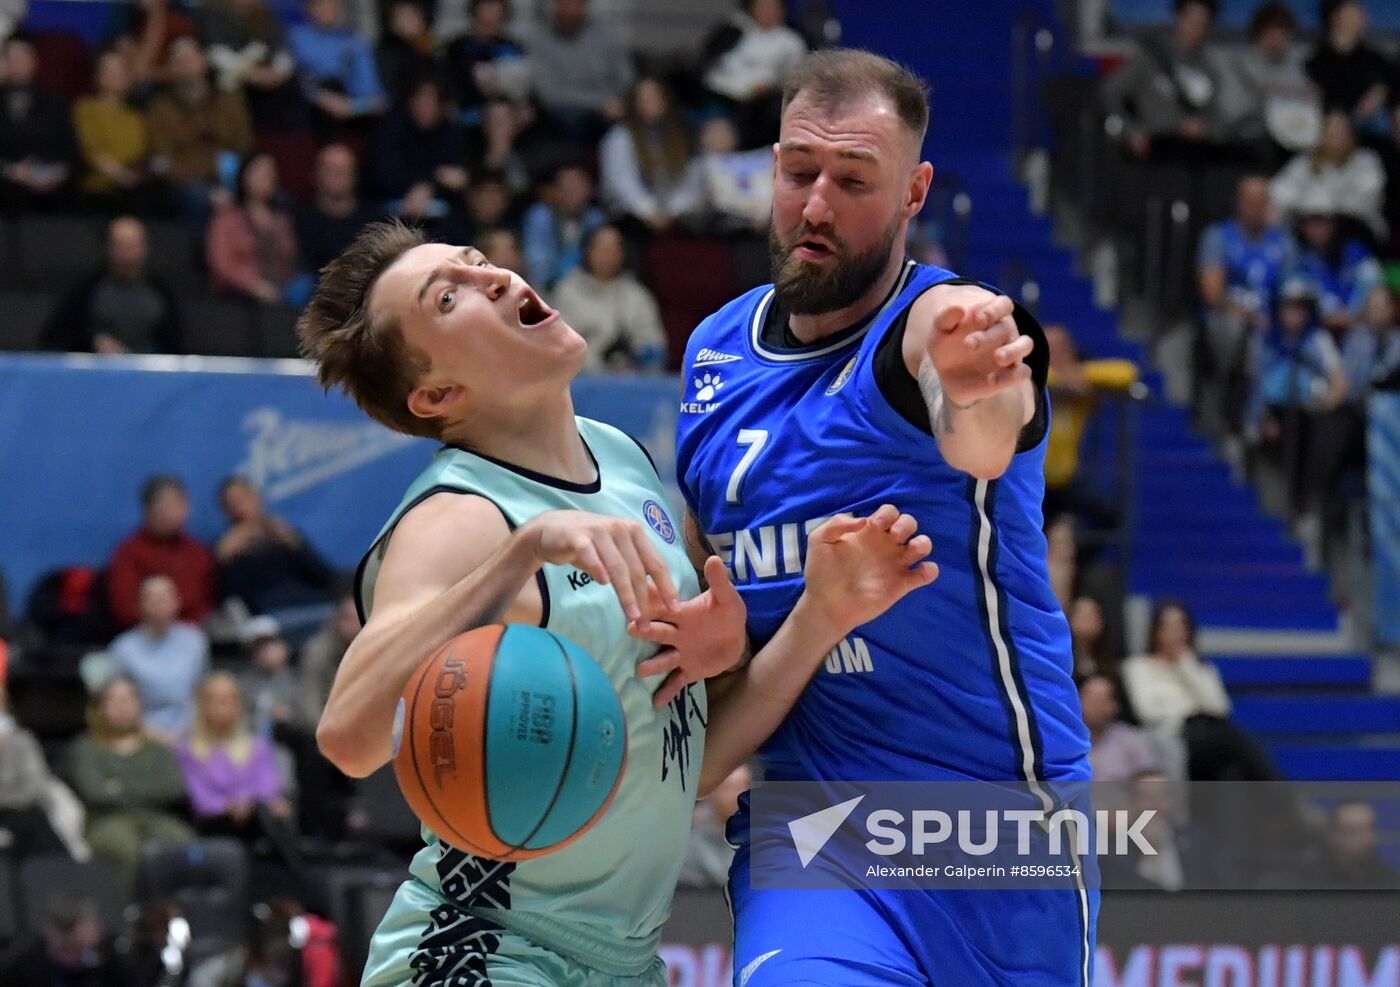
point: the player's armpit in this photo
(451, 564)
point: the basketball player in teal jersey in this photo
(531, 515)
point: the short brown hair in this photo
(368, 358)
(835, 76)
(1270, 16)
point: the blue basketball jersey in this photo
(968, 678)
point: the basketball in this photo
(509, 742)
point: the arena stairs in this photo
(1197, 535)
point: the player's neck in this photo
(811, 327)
(541, 438)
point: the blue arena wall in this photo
(81, 434)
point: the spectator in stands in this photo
(1354, 77)
(230, 772)
(420, 156)
(496, 148)
(738, 185)
(501, 247)
(268, 683)
(162, 547)
(487, 204)
(1239, 266)
(1117, 752)
(406, 56)
(745, 63)
(1062, 558)
(1342, 269)
(580, 71)
(122, 307)
(37, 146)
(112, 138)
(1267, 99)
(328, 224)
(248, 49)
(1371, 348)
(1185, 857)
(24, 790)
(265, 562)
(251, 244)
(320, 659)
(556, 226)
(1075, 387)
(1338, 177)
(194, 129)
(339, 77)
(71, 950)
(1168, 94)
(285, 946)
(129, 782)
(484, 65)
(1350, 857)
(708, 854)
(1089, 638)
(145, 32)
(164, 657)
(648, 175)
(12, 14)
(1300, 381)
(1175, 693)
(611, 309)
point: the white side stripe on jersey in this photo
(1023, 731)
(1008, 679)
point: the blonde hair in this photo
(203, 742)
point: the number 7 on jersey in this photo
(755, 439)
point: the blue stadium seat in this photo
(1345, 671)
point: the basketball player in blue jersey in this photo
(858, 377)
(529, 514)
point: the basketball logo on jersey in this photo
(659, 521)
(842, 377)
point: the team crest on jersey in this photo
(707, 388)
(660, 523)
(842, 377)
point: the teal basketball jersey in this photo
(602, 899)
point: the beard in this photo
(803, 288)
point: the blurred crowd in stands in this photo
(546, 144)
(276, 134)
(270, 137)
(1279, 155)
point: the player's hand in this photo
(975, 346)
(857, 568)
(699, 639)
(614, 551)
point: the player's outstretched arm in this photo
(453, 564)
(963, 347)
(857, 568)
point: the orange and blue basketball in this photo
(510, 742)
